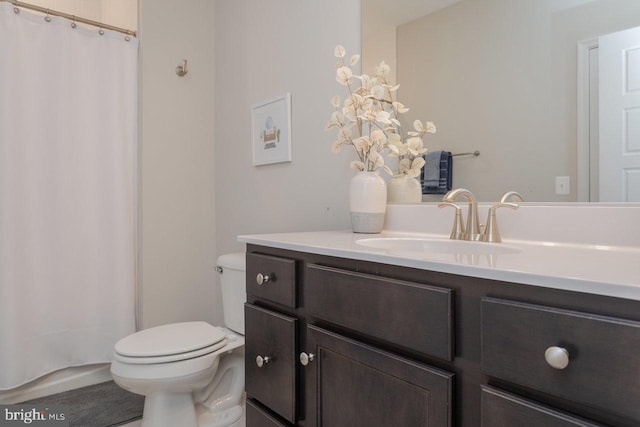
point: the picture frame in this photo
(271, 124)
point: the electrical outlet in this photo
(562, 185)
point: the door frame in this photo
(583, 116)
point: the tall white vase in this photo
(367, 202)
(404, 189)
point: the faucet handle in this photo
(458, 226)
(513, 195)
(491, 232)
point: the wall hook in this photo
(181, 70)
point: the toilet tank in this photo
(231, 268)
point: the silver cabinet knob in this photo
(557, 357)
(262, 278)
(262, 360)
(306, 358)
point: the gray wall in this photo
(177, 214)
(198, 189)
(265, 48)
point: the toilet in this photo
(191, 373)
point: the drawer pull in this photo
(306, 358)
(557, 357)
(263, 278)
(261, 361)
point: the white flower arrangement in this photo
(368, 120)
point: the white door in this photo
(620, 116)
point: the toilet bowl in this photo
(191, 373)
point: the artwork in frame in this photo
(271, 122)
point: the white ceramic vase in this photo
(367, 202)
(404, 189)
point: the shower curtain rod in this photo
(70, 17)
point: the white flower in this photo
(396, 147)
(375, 158)
(383, 117)
(362, 144)
(357, 165)
(343, 75)
(336, 147)
(369, 120)
(415, 146)
(378, 137)
(404, 165)
(399, 106)
(366, 81)
(377, 92)
(383, 69)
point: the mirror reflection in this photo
(527, 83)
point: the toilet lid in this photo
(172, 339)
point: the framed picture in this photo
(271, 122)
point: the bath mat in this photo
(99, 405)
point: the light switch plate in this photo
(563, 185)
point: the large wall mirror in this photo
(524, 83)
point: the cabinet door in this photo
(350, 384)
(270, 360)
(500, 409)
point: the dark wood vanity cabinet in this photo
(355, 343)
(330, 353)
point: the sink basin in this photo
(437, 246)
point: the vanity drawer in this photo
(272, 379)
(272, 278)
(603, 369)
(258, 417)
(499, 409)
(411, 315)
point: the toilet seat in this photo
(170, 343)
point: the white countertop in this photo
(597, 269)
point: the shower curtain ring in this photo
(101, 31)
(16, 10)
(47, 17)
(73, 22)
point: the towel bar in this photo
(475, 154)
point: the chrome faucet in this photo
(471, 230)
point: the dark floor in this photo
(99, 405)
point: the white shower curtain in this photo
(68, 111)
